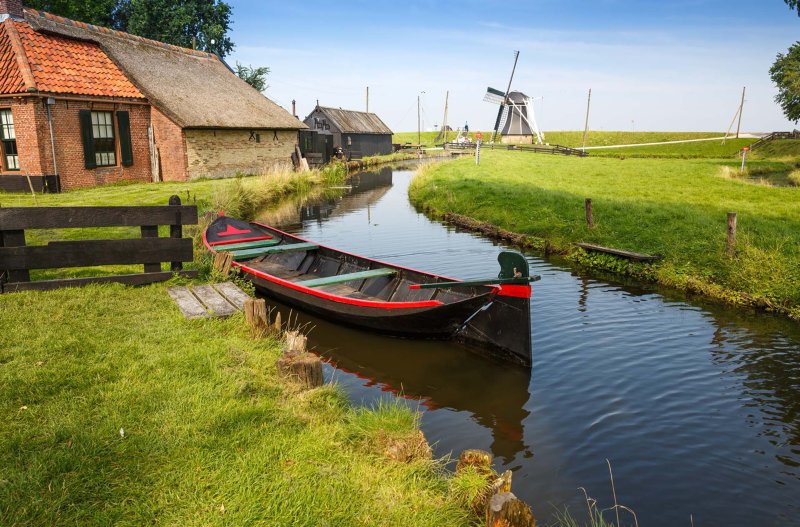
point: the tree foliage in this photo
(793, 4)
(785, 73)
(183, 22)
(255, 77)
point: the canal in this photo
(696, 406)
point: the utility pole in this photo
(419, 131)
(367, 99)
(586, 125)
(444, 122)
(741, 107)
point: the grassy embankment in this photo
(574, 139)
(674, 208)
(119, 411)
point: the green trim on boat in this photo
(248, 245)
(349, 277)
(255, 253)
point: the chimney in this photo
(294, 110)
(11, 9)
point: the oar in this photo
(483, 281)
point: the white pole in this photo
(744, 157)
(478, 152)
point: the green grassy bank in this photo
(674, 208)
(117, 411)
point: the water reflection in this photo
(698, 406)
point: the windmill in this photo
(516, 120)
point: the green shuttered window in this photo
(100, 139)
(8, 137)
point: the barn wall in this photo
(224, 153)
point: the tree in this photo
(255, 77)
(98, 12)
(203, 24)
(793, 4)
(785, 73)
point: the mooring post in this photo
(731, 233)
(176, 229)
(255, 313)
(505, 510)
(589, 215)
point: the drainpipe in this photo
(50, 102)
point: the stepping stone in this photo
(204, 301)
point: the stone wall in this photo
(224, 153)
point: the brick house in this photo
(82, 105)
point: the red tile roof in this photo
(61, 65)
(10, 76)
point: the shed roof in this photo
(195, 89)
(352, 121)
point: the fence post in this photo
(731, 233)
(176, 229)
(15, 238)
(589, 215)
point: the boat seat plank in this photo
(247, 254)
(248, 245)
(348, 277)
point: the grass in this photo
(120, 412)
(700, 149)
(779, 149)
(674, 208)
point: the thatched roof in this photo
(349, 121)
(194, 88)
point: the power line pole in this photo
(586, 125)
(741, 107)
(419, 131)
(367, 99)
(444, 122)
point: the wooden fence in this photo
(795, 134)
(17, 259)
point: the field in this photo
(674, 208)
(574, 139)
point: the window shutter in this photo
(88, 141)
(125, 148)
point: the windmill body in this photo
(516, 120)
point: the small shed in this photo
(358, 133)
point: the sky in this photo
(673, 65)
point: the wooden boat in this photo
(492, 315)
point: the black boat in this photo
(492, 315)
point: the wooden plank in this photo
(348, 277)
(126, 279)
(176, 228)
(253, 253)
(151, 231)
(619, 252)
(248, 245)
(189, 305)
(15, 239)
(232, 294)
(96, 252)
(16, 218)
(213, 300)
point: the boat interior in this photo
(349, 276)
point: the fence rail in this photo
(549, 149)
(795, 134)
(17, 258)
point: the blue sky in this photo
(672, 65)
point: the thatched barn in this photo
(358, 133)
(88, 105)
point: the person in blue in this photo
(466, 127)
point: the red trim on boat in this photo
(515, 291)
(230, 230)
(336, 298)
(241, 240)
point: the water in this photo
(696, 406)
